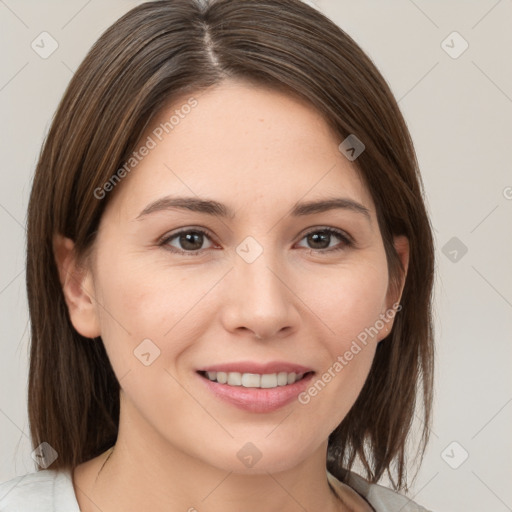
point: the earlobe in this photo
(77, 287)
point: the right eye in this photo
(186, 241)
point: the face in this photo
(261, 281)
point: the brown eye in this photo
(187, 241)
(321, 240)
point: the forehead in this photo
(242, 145)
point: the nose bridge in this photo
(256, 269)
(260, 300)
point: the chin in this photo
(254, 459)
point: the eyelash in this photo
(347, 242)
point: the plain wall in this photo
(459, 112)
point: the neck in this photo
(143, 471)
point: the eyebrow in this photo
(217, 209)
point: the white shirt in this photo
(51, 490)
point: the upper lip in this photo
(261, 368)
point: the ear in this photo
(77, 287)
(401, 244)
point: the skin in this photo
(259, 152)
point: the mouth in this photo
(254, 380)
(260, 391)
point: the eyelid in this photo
(346, 241)
(163, 240)
(341, 233)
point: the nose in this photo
(260, 299)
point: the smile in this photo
(254, 380)
(260, 387)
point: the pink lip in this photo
(261, 368)
(258, 400)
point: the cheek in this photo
(350, 305)
(347, 301)
(137, 302)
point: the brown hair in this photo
(153, 53)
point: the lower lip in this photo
(258, 399)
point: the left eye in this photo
(321, 237)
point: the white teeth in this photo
(282, 379)
(269, 381)
(255, 380)
(234, 379)
(251, 380)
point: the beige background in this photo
(459, 111)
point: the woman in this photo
(229, 272)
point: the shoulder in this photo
(45, 491)
(380, 498)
